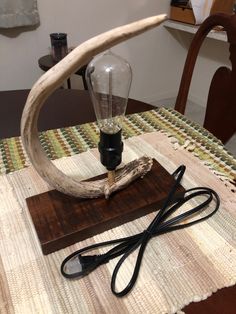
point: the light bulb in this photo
(109, 78)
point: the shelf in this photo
(217, 35)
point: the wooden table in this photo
(61, 110)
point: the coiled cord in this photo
(77, 265)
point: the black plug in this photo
(80, 265)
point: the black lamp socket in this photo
(110, 148)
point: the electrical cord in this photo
(77, 265)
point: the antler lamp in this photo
(48, 83)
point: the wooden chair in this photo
(220, 118)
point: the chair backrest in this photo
(220, 117)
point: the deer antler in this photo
(48, 83)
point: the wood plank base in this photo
(61, 220)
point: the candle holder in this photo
(59, 47)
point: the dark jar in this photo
(59, 46)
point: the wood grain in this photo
(62, 220)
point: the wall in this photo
(151, 54)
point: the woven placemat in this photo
(178, 268)
(73, 140)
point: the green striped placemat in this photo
(76, 139)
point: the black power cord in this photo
(77, 265)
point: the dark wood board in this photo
(61, 220)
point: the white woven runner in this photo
(184, 266)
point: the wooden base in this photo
(61, 220)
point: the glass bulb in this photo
(109, 78)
